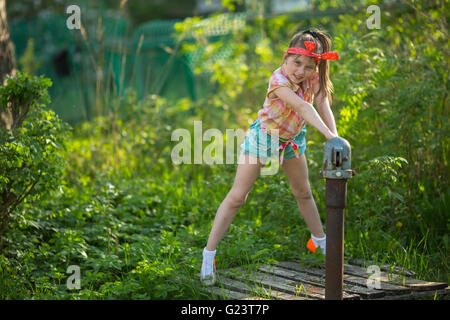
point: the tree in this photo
(7, 61)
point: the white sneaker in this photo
(208, 271)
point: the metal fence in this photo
(89, 67)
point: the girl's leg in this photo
(247, 172)
(296, 171)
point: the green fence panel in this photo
(148, 59)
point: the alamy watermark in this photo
(73, 281)
(213, 153)
(374, 21)
(374, 279)
(73, 21)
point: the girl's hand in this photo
(330, 135)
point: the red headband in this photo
(309, 52)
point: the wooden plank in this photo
(365, 293)
(214, 290)
(240, 286)
(294, 274)
(421, 294)
(383, 267)
(282, 284)
(360, 280)
(396, 281)
(222, 293)
(297, 281)
(432, 293)
(232, 284)
(251, 292)
(357, 280)
(272, 283)
(413, 284)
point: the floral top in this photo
(276, 114)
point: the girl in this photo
(304, 73)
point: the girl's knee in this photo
(236, 198)
(302, 192)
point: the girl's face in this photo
(299, 68)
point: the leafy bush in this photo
(31, 159)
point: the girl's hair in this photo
(323, 44)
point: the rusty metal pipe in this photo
(335, 196)
(336, 170)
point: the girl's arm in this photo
(323, 106)
(304, 109)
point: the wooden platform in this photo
(299, 281)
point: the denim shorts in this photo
(258, 143)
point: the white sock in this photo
(208, 262)
(320, 242)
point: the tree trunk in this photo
(7, 61)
